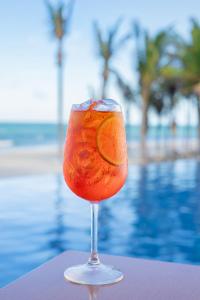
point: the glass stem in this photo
(94, 259)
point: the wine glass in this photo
(95, 168)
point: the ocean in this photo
(33, 134)
(27, 134)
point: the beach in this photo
(30, 148)
(43, 159)
(29, 161)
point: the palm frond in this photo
(190, 58)
(169, 72)
(114, 30)
(50, 9)
(125, 89)
(161, 39)
(98, 33)
(59, 18)
(122, 41)
(136, 29)
(68, 15)
(101, 44)
(51, 14)
(195, 23)
(108, 44)
(157, 101)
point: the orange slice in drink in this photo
(111, 140)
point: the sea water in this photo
(33, 134)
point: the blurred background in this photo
(147, 57)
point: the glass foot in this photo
(93, 274)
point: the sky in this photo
(28, 63)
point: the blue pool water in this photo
(156, 215)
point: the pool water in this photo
(156, 215)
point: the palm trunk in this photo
(105, 77)
(172, 133)
(144, 125)
(60, 100)
(198, 111)
(188, 128)
(173, 128)
(159, 132)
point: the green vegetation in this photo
(108, 45)
(168, 67)
(190, 59)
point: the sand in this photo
(44, 159)
(29, 161)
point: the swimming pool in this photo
(156, 215)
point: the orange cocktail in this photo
(95, 168)
(95, 159)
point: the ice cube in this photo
(82, 106)
(98, 105)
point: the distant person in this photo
(174, 127)
(174, 131)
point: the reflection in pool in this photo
(156, 215)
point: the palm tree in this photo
(108, 45)
(151, 57)
(171, 88)
(172, 82)
(190, 57)
(126, 92)
(59, 19)
(157, 102)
